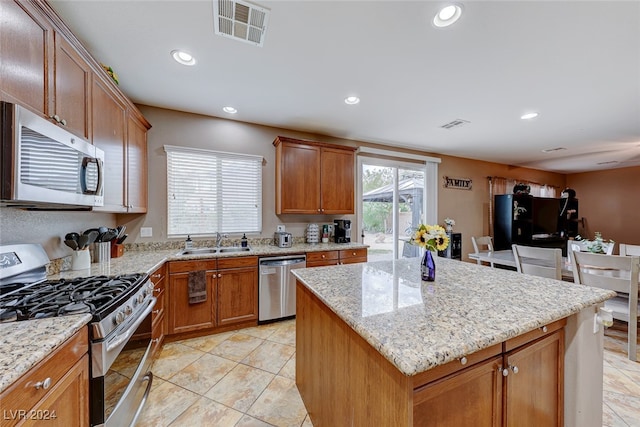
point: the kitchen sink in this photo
(234, 249)
(199, 251)
(203, 251)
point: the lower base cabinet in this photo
(345, 256)
(518, 382)
(522, 387)
(158, 317)
(53, 393)
(231, 294)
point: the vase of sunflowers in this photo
(432, 238)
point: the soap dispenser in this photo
(188, 244)
(243, 241)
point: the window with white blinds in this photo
(212, 191)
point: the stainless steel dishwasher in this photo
(277, 288)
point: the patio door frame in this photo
(428, 165)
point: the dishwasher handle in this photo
(281, 262)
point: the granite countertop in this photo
(24, 344)
(149, 260)
(419, 325)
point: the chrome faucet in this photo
(219, 238)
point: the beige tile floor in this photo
(247, 378)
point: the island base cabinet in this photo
(534, 387)
(343, 380)
(472, 397)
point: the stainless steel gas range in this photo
(119, 331)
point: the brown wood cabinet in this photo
(158, 317)
(185, 317)
(136, 199)
(27, 50)
(232, 294)
(519, 382)
(345, 256)
(54, 392)
(72, 88)
(109, 118)
(237, 290)
(314, 178)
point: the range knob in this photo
(119, 318)
(140, 298)
(128, 310)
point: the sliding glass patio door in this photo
(392, 206)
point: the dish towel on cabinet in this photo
(197, 287)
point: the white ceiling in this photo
(576, 62)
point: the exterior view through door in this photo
(392, 208)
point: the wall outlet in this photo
(146, 232)
(280, 228)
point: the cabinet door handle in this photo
(155, 340)
(157, 290)
(514, 369)
(463, 360)
(219, 275)
(43, 384)
(544, 328)
(323, 257)
(156, 311)
(504, 372)
(155, 276)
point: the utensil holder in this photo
(102, 252)
(80, 260)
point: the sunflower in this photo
(431, 237)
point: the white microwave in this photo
(46, 167)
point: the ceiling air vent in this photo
(240, 20)
(455, 124)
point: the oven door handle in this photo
(121, 338)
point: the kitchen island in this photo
(479, 346)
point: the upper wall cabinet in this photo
(313, 177)
(46, 69)
(26, 56)
(72, 88)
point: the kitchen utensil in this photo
(120, 230)
(82, 241)
(122, 239)
(72, 236)
(73, 244)
(108, 236)
(91, 237)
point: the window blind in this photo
(212, 191)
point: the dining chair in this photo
(543, 262)
(616, 273)
(629, 250)
(482, 244)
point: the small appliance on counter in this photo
(282, 239)
(342, 230)
(313, 233)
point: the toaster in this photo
(282, 239)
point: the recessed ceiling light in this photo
(447, 15)
(529, 116)
(183, 57)
(351, 100)
(229, 110)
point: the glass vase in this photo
(428, 267)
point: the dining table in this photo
(506, 258)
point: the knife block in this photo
(117, 250)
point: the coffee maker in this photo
(342, 230)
